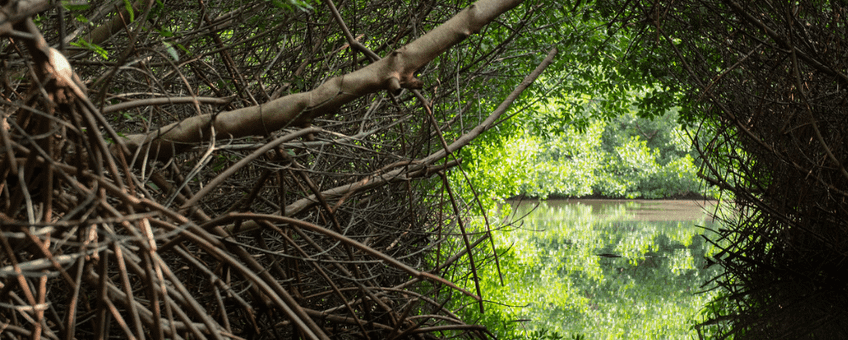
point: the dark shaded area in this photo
(765, 88)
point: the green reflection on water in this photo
(607, 270)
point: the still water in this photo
(607, 269)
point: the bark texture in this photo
(348, 229)
(392, 73)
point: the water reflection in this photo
(637, 210)
(610, 269)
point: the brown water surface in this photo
(645, 210)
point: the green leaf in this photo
(81, 18)
(171, 51)
(91, 47)
(180, 46)
(130, 10)
(75, 5)
(166, 33)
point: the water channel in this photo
(606, 269)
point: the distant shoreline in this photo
(641, 209)
(682, 197)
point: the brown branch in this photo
(344, 239)
(785, 44)
(165, 101)
(353, 42)
(391, 73)
(418, 168)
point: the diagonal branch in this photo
(393, 73)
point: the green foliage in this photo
(546, 335)
(556, 284)
(719, 308)
(593, 78)
(291, 5)
(627, 157)
(75, 6)
(497, 168)
(129, 7)
(595, 126)
(648, 158)
(91, 47)
(567, 164)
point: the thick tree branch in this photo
(392, 73)
(416, 168)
